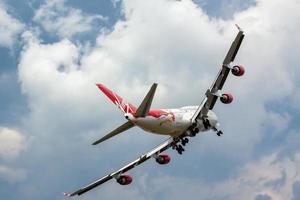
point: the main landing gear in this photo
(184, 141)
(178, 147)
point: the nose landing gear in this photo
(218, 132)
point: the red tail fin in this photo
(117, 100)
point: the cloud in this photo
(177, 45)
(296, 190)
(12, 175)
(12, 143)
(263, 197)
(9, 27)
(268, 176)
(263, 179)
(115, 2)
(58, 18)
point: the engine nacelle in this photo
(238, 70)
(226, 98)
(163, 159)
(124, 180)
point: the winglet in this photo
(238, 27)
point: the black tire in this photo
(179, 151)
(219, 133)
(180, 147)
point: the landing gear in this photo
(206, 123)
(178, 148)
(194, 131)
(184, 141)
(219, 133)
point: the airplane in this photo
(180, 123)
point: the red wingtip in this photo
(66, 194)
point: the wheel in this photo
(194, 125)
(186, 140)
(219, 133)
(180, 147)
(196, 130)
(183, 142)
(179, 151)
(206, 123)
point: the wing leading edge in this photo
(212, 93)
(158, 149)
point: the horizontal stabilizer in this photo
(115, 132)
(144, 108)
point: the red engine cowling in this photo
(163, 159)
(226, 98)
(238, 70)
(124, 180)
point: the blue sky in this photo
(54, 51)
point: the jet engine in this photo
(238, 70)
(226, 98)
(124, 180)
(163, 159)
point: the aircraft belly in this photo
(165, 126)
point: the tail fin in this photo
(144, 108)
(117, 100)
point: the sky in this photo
(54, 51)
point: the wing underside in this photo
(158, 149)
(212, 93)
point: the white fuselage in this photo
(174, 122)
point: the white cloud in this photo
(177, 45)
(60, 77)
(12, 175)
(9, 27)
(12, 143)
(269, 176)
(58, 18)
(115, 2)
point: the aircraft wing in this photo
(212, 93)
(158, 149)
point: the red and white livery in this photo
(179, 124)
